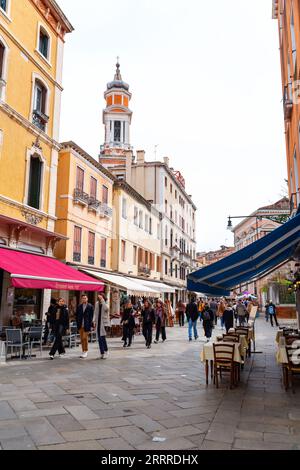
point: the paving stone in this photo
(83, 445)
(18, 443)
(145, 423)
(133, 435)
(88, 435)
(112, 422)
(12, 431)
(221, 433)
(81, 412)
(240, 434)
(282, 438)
(115, 444)
(6, 412)
(171, 444)
(182, 431)
(248, 444)
(43, 433)
(41, 412)
(64, 423)
(214, 445)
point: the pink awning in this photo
(39, 272)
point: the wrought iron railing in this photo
(40, 119)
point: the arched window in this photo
(3, 68)
(4, 5)
(35, 182)
(44, 43)
(2, 50)
(39, 117)
(117, 131)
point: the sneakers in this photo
(190, 339)
(62, 355)
(155, 342)
(84, 355)
(103, 356)
(51, 358)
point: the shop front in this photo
(25, 277)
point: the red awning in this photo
(39, 272)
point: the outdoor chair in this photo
(224, 363)
(293, 367)
(231, 338)
(73, 337)
(14, 340)
(35, 336)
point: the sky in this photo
(206, 85)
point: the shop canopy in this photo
(130, 285)
(250, 263)
(30, 271)
(157, 287)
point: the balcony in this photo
(40, 119)
(105, 210)
(144, 271)
(287, 105)
(185, 258)
(81, 197)
(91, 260)
(175, 251)
(77, 257)
(93, 204)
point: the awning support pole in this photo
(298, 306)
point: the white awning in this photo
(130, 285)
(156, 287)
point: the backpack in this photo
(271, 310)
(206, 315)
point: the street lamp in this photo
(257, 217)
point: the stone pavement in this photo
(138, 394)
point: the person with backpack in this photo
(208, 321)
(192, 315)
(241, 312)
(272, 313)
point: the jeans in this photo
(162, 330)
(222, 322)
(275, 318)
(127, 335)
(103, 344)
(181, 318)
(193, 326)
(147, 332)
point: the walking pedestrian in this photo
(221, 309)
(214, 308)
(128, 323)
(192, 315)
(148, 317)
(49, 321)
(84, 319)
(267, 311)
(100, 321)
(60, 325)
(181, 311)
(272, 313)
(241, 312)
(208, 321)
(228, 317)
(160, 321)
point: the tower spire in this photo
(118, 75)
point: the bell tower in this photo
(117, 120)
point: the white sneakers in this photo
(105, 355)
(84, 355)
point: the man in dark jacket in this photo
(84, 319)
(192, 315)
(60, 324)
(271, 309)
(50, 317)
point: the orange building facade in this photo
(287, 13)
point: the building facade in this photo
(84, 212)
(136, 240)
(158, 183)
(287, 13)
(31, 61)
(210, 257)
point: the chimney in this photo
(167, 161)
(129, 156)
(140, 157)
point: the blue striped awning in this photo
(248, 264)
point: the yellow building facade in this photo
(32, 36)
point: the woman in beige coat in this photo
(101, 320)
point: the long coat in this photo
(86, 318)
(104, 317)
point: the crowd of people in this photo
(152, 314)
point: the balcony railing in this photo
(80, 197)
(287, 104)
(144, 270)
(91, 260)
(94, 204)
(77, 257)
(40, 119)
(105, 210)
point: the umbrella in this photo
(248, 296)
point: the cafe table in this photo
(207, 355)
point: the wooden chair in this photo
(243, 330)
(224, 362)
(293, 366)
(231, 338)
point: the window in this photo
(79, 179)
(93, 188)
(3, 5)
(124, 208)
(103, 252)
(3, 55)
(44, 43)
(171, 188)
(77, 244)
(136, 216)
(134, 255)
(39, 117)
(176, 194)
(150, 226)
(123, 251)
(152, 261)
(176, 271)
(141, 219)
(35, 182)
(146, 223)
(171, 270)
(293, 38)
(117, 131)
(166, 236)
(166, 207)
(166, 267)
(91, 248)
(104, 195)
(158, 264)
(166, 182)
(2, 50)
(158, 231)
(171, 212)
